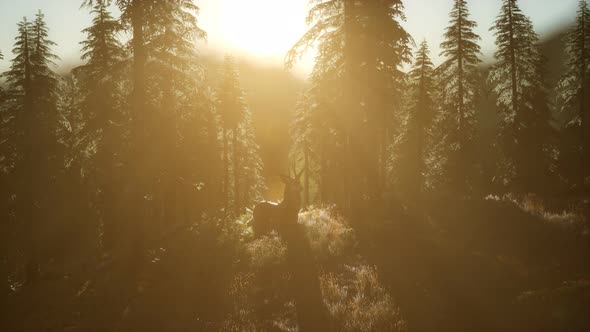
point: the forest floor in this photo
(478, 265)
(483, 265)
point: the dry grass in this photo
(357, 301)
(572, 219)
(351, 291)
(329, 234)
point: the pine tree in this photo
(356, 80)
(386, 47)
(19, 76)
(174, 28)
(173, 74)
(231, 108)
(161, 30)
(101, 95)
(304, 136)
(162, 80)
(241, 158)
(249, 173)
(1, 90)
(50, 163)
(326, 94)
(45, 80)
(200, 147)
(18, 118)
(518, 79)
(33, 86)
(458, 76)
(514, 40)
(2, 97)
(139, 165)
(421, 113)
(573, 86)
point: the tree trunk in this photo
(583, 77)
(352, 177)
(323, 172)
(28, 208)
(139, 58)
(237, 202)
(373, 103)
(459, 177)
(306, 176)
(140, 165)
(514, 85)
(109, 210)
(383, 157)
(226, 170)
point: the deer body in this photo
(282, 217)
(269, 216)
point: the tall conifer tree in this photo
(574, 86)
(356, 84)
(100, 99)
(304, 147)
(420, 115)
(231, 108)
(518, 79)
(33, 86)
(458, 75)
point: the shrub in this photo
(357, 301)
(329, 234)
(267, 251)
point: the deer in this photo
(269, 216)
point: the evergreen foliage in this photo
(356, 79)
(240, 156)
(416, 138)
(304, 132)
(458, 77)
(526, 132)
(573, 94)
(33, 127)
(250, 169)
(101, 113)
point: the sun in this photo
(264, 28)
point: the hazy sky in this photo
(265, 29)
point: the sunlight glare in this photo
(264, 28)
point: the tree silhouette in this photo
(458, 76)
(304, 143)
(249, 173)
(243, 161)
(419, 119)
(33, 86)
(355, 85)
(18, 124)
(573, 86)
(1, 89)
(100, 98)
(325, 94)
(232, 109)
(386, 47)
(518, 77)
